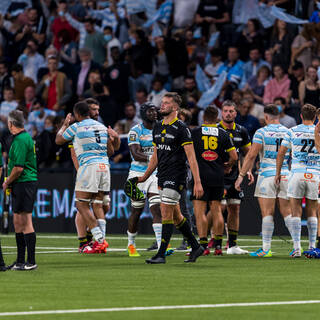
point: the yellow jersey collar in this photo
(225, 128)
(171, 122)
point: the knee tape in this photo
(97, 201)
(170, 196)
(154, 200)
(137, 204)
(83, 200)
(106, 200)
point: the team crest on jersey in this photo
(210, 131)
(132, 137)
(308, 175)
(209, 155)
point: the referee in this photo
(22, 179)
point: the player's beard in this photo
(165, 113)
(228, 120)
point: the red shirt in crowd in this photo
(52, 94)
(62, 24)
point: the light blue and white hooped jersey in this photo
(270, 137)
(305, 157)
(139, 134)
(89, 139)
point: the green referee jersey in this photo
(23, 154)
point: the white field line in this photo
(196, 306)
(74, 237)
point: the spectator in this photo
(303, 46)
(29, 98)
(68, 50)
(93, 77)
(189, 89)
(256, 110)
(123, 154)
(237, 96)
(157, 92)
(7, 105)
(281, 45)
(244, 118)
(277, 86)
(295, 78)
(160, 61)
(112, 42)
(129, 121)
(212, 68)
(60, 23)
(285, 120)
(309, 89)
(20, 82)
(258, 83)
(141, 98)
(54, 88)
(5, 79)
(83, 70)
(31, 60)
(250, 68)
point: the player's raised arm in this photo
(61, 138)
(115, 139)
(189, 150)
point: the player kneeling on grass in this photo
(266, 143)
(141, 149)
(90, 141)
(172, 145)
(304, 177)
(211, 143)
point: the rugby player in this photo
(141, 149)
(232, 199)
(84, 235)
(90, 139)
(172, 145)
(304, 176)
(266, 143)
(211, 143)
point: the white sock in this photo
(287, 221)
(97, 234)
(102, 225)
(296, 232)
(131, 238)
(312, 224)
(267, 231)
(157, 228)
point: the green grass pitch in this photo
(67, 280)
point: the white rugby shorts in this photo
(303, 185)
(149, 186)
(266, 188)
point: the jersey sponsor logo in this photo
(132, 137)
(170, 183)
(147, 150)
(210, 131)
(237, 139)
(169, 136)
(163, 147)
(209, 155)
(308, 175)
(146, 137)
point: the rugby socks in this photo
(102, 225)
(312, 225)
(296, 232)
(232, 237)
(30, 240)
(21, 247)
(167, 230)
(157, 228)
(204, 242)
(82, 241)
(267, 231)
(89, 236)
(185, 229)
(287, 221)
(218, 241)
(97, 234)
(131, 238)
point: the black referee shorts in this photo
(23, 196)
(210, 193)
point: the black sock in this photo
(30, 239)
(1, 257)
(233, 234)
(204, 242)
(89, 236)
(185, 229)
(318, 244)
(21, 247)
(82, 241)
(218, 241)
(167, 230)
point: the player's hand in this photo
(238, 182)
(4, 186)
(250, 178)
(67, 120)
(112, 133)
(227, 168)
(140, 179)
(277, 179)
(198, 190)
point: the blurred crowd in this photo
(126, 52)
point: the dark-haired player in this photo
(266, 143)
(141, 149)
(172, 145)
(211, 143)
